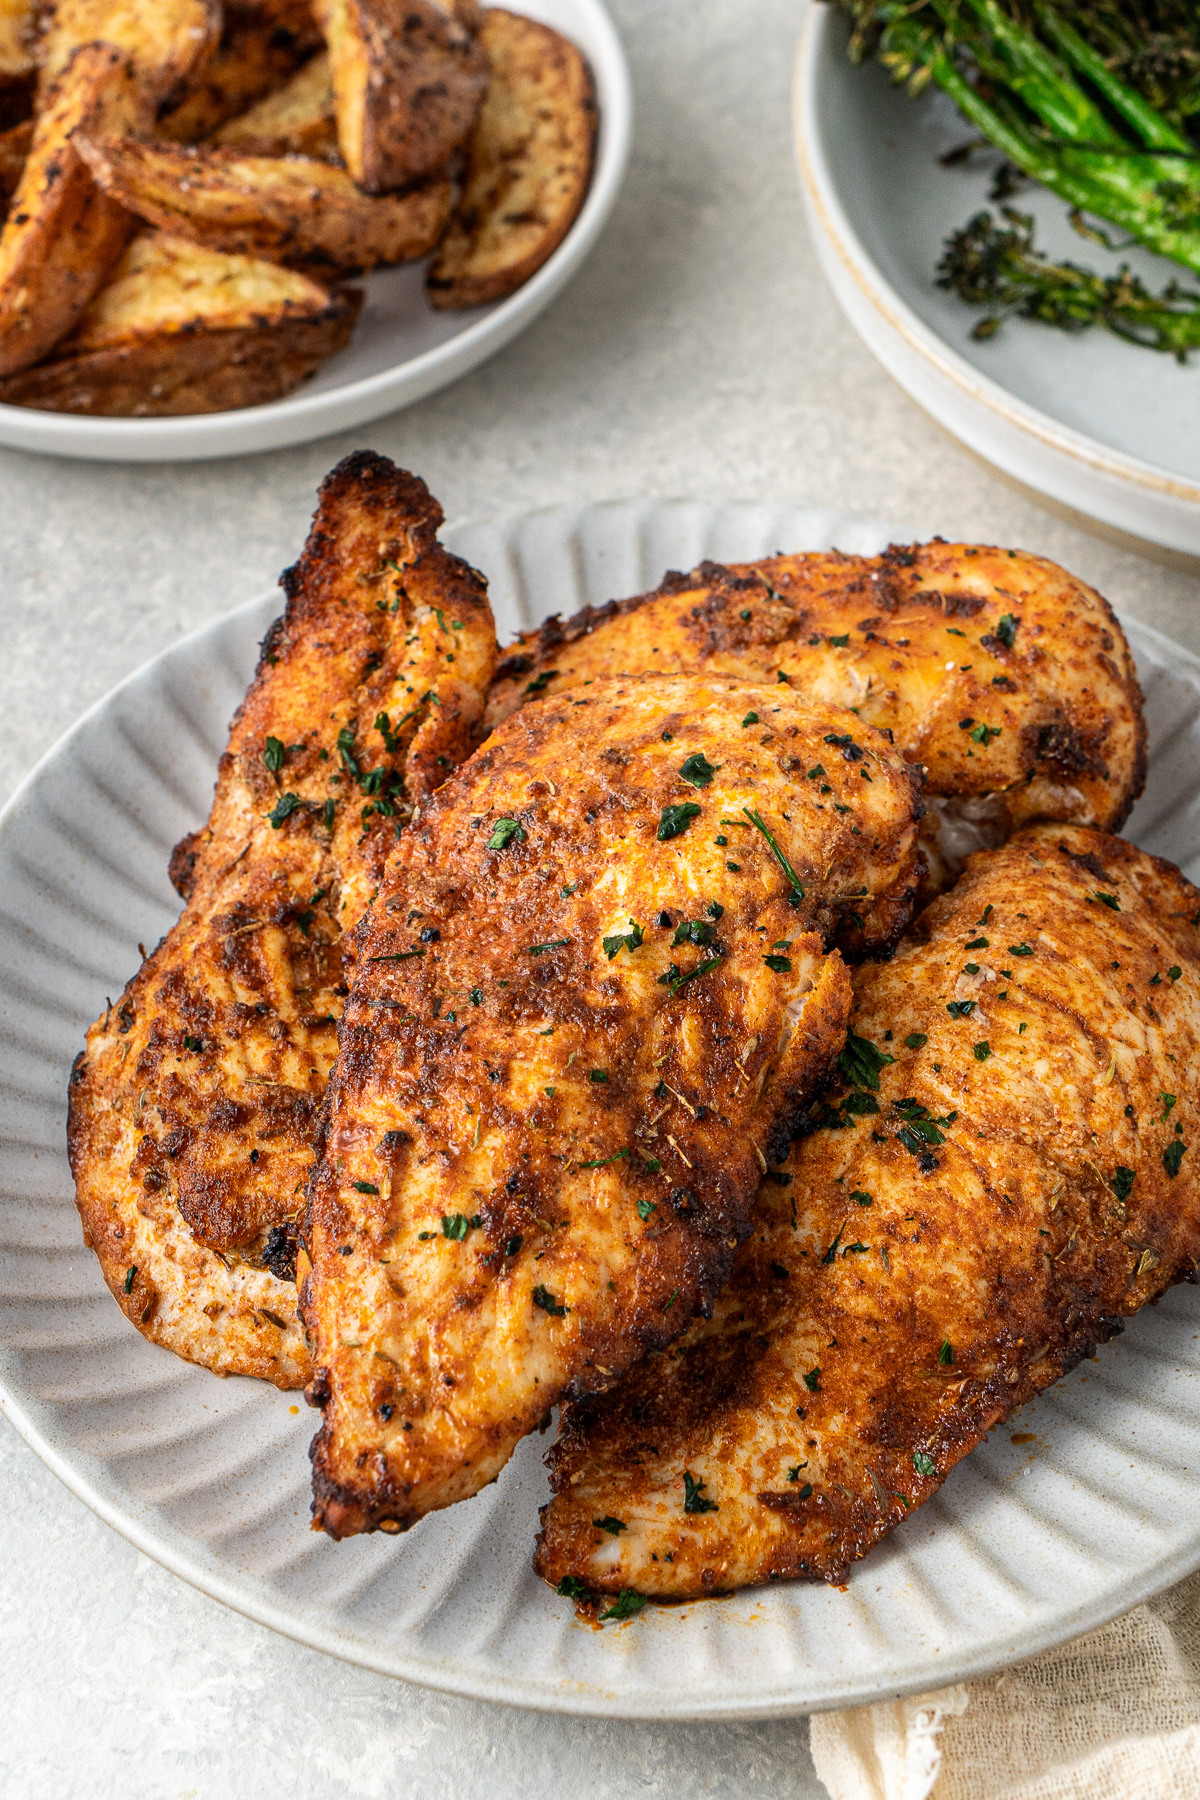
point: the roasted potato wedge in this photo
(296, 120)
(295, 210)
(529, 165)
(408, 78)
(14, 149)
(16, 39)
(252, 60)
(187, 372)
(164, 284)
(164, 40)
(292, 16)
(62, 234)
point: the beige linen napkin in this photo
(1113, 1716)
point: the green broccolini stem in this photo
(1155, 132)
(988, 265)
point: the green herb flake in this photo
(130, 1277)
(283, 809)
(924, 1464)
(645, 1208)
(697, 771)
(1174, 974)
(840, 643)
(1168, 1101)
(1006, 630)
(792, 878)
(916, 1040)
(614, 1527)
(703, 968)
(946, 1354)
(1109, 900)
(1122, 1181)
(544, 949)
(982, 1051)
(457, 1225)
(978, 943)
(960, 1009)
(627, 1605)
(193, 1043)
(476, 996)
(780, 964)
(751, 718)
(273, 754)
(504, 832)
(603, 1161)
(812, 1381)
(572, 1588)
(600, 1076)
(364, 1187)
(693, 1495)
(861, 1197)
(1019, 950)
(399, 955)
(543, 1298)
(676, 819)
(862, 1062)
(1172, 1156)
(540, 682)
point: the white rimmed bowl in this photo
(401, 349)
(1021, 1549)
(1101, 426)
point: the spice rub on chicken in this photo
(591, 998)
(1010, 681)
(192, 1108)
(1008, 1167)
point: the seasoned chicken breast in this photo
(1007, 1168)
(591, 997)
(1007, 679)
(192, 1108)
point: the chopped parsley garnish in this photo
(193, 1043)
(691, 974)
(830, 1255)
(513, 1244)
(457, 1225)
(693, 931)
(916, 1040)
(983, 734)
(614, 1527)
(979, 943)
(1019, 950)
(543, 1298)
(627, 1605)
(1172, 1156)
(572, 1588)
(283, 809)
(987, 913)
(782, 965)
(946, 1354)
(924, 1464)
(476, 996)
(1168, 1101)
(861, 1197)
(598, 1075)
(792, 878)
(862, 1062)
(1109, 900)
(982, 1051)
(366, 1187)
(751, 718)
(1006, 630)
(697, 771)
(399, 955)
(960, 1009)
(625, 940)
(273, 755)
(840, 643)
(812, 1381)
(645, 1208)
(130, 1277)
(541, 949)
(390, 736)
(693, 1495)
(806, 1491)
(1174, 974)
(504, 832)
(603, 1161)
(540, 683)
(1122, 1181)
(676, 819)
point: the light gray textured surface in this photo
(700, 354)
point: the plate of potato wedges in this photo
(233, 227)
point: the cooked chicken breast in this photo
(1007, 679)
(192, 1108)
(591, 998)
(1007, 1168)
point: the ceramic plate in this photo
(1101, 425)
(401, 349)
(1024, 1546)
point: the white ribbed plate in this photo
(1024, 1546)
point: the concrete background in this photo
(698, 354)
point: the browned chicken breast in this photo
(192, 1107)
(1010, 681)
(1007, 1168)
(591, 998)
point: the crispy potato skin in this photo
(408, 77)
(296, 120)
(253, 61)
(162, 40)
(175, 373)
(598, 1132)
(924, 657)
(298, 211)
(529, 164)
(16, 40)
(62, 235)
(192, 1106)
(820, 1404)
(14, 148)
